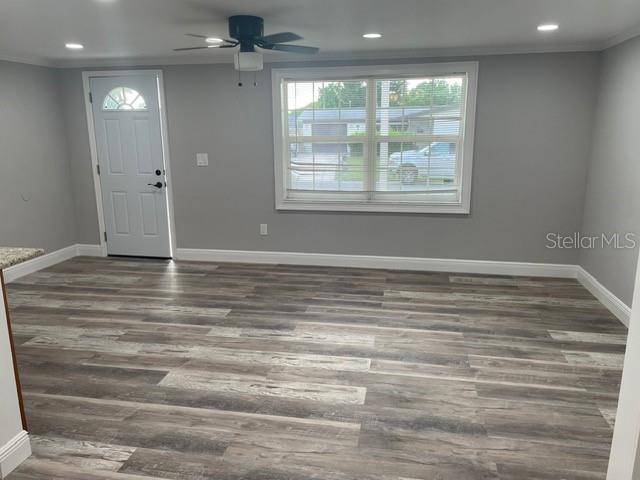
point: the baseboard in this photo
(383, 262)
(486, 267)
(50, 259)
(14, 452)
(84, 250)
(604, 295)
(35, 264)
(608, 299)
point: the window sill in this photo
(373, 207)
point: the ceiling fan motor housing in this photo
(246, 28)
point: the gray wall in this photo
(532, 146)
(75, 120)
(613, 192)
(36, 203)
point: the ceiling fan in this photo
(247, 31)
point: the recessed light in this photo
(213, 40)
(548, 27)
(372, 35)
(74, 46)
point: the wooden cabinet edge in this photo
(13, 354)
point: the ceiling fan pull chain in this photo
(255, 79)
(239, 76)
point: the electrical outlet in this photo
(264, 230)
(202, 159)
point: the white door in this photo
(126, 114)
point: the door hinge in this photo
(90, 97)
(105, 236)
(98, 168)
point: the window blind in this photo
(374, 138)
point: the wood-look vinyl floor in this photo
(138, 369)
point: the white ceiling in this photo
(35, 31)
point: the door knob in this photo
(157, 184)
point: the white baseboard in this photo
(384, 262)
(486, 267)
(14, 452)
(84, 250)
(50, 259)
(604, 295)
(608, 299)
(35, 264)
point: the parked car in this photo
(437, 161)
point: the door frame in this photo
(164, 135)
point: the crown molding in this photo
(276, 58)
(28, 60)
(271, 58)
(621, 37)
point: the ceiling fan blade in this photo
(281, 37)
(195, 35)
(292, 48)
(189, 48)
(229, 45)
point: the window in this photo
(124, 98)
(388, 139)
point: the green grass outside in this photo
(353, 171)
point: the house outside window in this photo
(383, 139)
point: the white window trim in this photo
(280, 131)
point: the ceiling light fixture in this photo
(74, 46)
(372, 35)
(548, 27)
(214, 40)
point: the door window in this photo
(124, 98)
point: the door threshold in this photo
(141, 257)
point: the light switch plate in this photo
(264, 229)
(202, 159)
